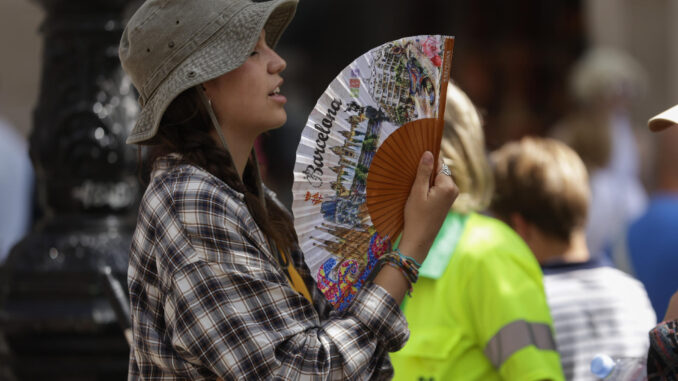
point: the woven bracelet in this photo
(400, 253)
(399, 268)
(408, 268)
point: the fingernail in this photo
(427, 158)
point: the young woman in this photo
(217, 286)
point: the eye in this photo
(254, 53)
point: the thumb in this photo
(421, 181)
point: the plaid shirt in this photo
(208, 298)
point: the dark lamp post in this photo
(62, 304)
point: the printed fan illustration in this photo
(358, 156)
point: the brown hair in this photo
(544, 181)
(185, 129)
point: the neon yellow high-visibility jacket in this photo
(478, 311)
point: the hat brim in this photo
(664, 120)
(237, 37)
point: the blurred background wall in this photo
(20, 61)
(505, 54)
(512, 58)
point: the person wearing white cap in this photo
(217, 285)
(664, 119)
(653, 248)
(651, 238)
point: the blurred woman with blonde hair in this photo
(478, 311)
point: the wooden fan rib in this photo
(408, 152)
(388, 208)
(414, 136)
(381, 207)
(374, 201)
(388, 190)
(385, 168)
(387, 185)
(390, 180)
(387, 151)
(377, 205)
(403, 145)
(391, 227)
(416, 149)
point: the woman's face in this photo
(247, 100)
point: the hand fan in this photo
(358, 155)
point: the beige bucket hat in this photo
(664, 120)
(169, 46)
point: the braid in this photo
(185, 129)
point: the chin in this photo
(279, 121)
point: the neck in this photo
(238, 146)
(548, 249)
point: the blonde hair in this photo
(545, 182)
(463, 150)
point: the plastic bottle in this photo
(619, 368)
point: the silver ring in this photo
(445, 170)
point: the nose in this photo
(277, 64)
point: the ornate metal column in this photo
(58, 313)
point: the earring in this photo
(209, 101)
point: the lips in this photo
(276, 91)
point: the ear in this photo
(209, 87)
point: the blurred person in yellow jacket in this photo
(478, 311)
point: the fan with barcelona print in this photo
(358, 155)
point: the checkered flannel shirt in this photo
(209, 300)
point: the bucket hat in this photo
(169, 46)
(664, 119)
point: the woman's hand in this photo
(426, 208)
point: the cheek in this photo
(237, 98)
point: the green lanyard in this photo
(444, 245)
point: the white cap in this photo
(664, 120)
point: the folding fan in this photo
(358, 155)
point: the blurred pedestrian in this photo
(478, 311)
(652, 238)
(603, 85)
(218, 287)
(542, 192)
(16, 188)
(662, 358)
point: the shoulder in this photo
(608, 276)
(599, 283)
(491, 249)
(183, 186)
(618, 279)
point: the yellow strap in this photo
(295, 279)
